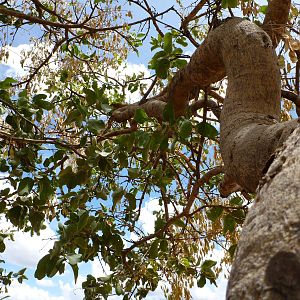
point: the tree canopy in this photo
(74, 153)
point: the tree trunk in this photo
(267, 262)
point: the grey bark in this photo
(267, 262)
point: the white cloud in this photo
(45, 283)
(72, 291)
(27, 250)
(27, 292)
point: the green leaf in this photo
(236, 201)
(168, 42)
(74, 259)
(36, 219)
(239, 215)
(83, 220)
(75, 271)
(207, 130)
(95, 126)
(263, 9)
(179, 223)
(185, 129)
(133, 173)
(7, 83)
(64, 74)
(232, 250)
(119, 289)
(185, 262)
(214, 213)
(169, 113)
(90, 96)
(162, 68)
(140, 116)
(201, 281)
(230, 3)
(179, 63)
(2, 247)
(229, 224)
(163, 246)
(117, 196)
(207, 264)
(46, 189)
(153, 250)
(25, 186)
(74, 115)
(42, 267)
(39, 102)
(15, 215)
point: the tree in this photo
(73, 150)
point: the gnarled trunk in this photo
(267, 262)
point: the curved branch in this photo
(276, 19)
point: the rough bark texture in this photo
(267, 263)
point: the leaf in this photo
(39, 101)
(119, 289)
(263, 9)
(179, 63)
(153, 250)
(239, 215)
(207, 130)
(46, 189)
(74, 115)
(25, 186)
(15, 214)
(133, 173)
(36, 218)
(179, 223)
(232, 250)
(207, 264)
(229, 3)
(95, 126)
(83, 220)
(169, 113)
(236, 201)
(117, 196)
(140, 116)
(90, 96)
(185, 129)
(185, 262)
(7, 83)
(228, 224)
(74, 259)
(42, 266)
(2, 247)
(168, 42)
(162, 69)
(75, 271)
(214, 213)
(201, 281)
(163, 246)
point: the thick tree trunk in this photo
(267, 262)
(250, 128)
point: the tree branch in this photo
(276, 19)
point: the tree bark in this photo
(250, 128)
(267, 262)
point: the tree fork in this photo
(250, 128)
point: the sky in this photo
(26, 250)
